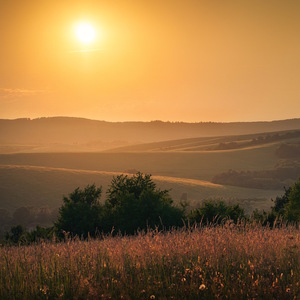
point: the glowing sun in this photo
(85, 32)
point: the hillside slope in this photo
(45, 186)
(218, 143)
(62, 134)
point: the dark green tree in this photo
(81, 212)
(134, 202)
(292, 207)
(286, 207)
(281, 202)
(216, 212)
(17, 234)
(39, 234)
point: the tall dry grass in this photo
(243, 261)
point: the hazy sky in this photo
(176, 60)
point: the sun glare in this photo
(85, 32)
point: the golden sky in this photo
(171, 60)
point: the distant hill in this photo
(219, 143)
(66, 134)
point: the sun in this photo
(85, 32)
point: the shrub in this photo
(134, 202)
(216, 212)
(80, 213)
(292, 207)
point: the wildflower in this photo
(202, 287)
(288, 290)
(152, 297)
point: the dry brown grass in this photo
(242, 261)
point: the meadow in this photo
(243, 261)
(194, 165)
(193, 169)
(37, 186)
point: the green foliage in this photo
(123, 184)
(266, 218)
(281, 202)
(216, 212)
(292, 207)
(39, 234)
(134, 202)
(81, 212)
(286, 208)
(17, 234)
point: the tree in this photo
(281, 202)
(81, 212)
(134, 202)
(286, 207)
(16, 235)
(40, 233)
(292, 207)
(216, 212)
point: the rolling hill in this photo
(65, 134)
(33, 186)
(218, 143)
(48, 161)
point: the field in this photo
(195, 165)
(186, 167)
(215, 143)
(243, 261)
(45, 186)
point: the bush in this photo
(292, 207)
(286, 208)
(17, 234)
(216, 212)
(81, 212)
(135, 203)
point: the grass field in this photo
(194, 165)
(41, 179)
(45, 187)
(229, 262)
(216, 143)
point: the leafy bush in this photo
(81, 212)
(292, 207)
(216, 212)
(286, 208)
(17, 234)
(134, 202)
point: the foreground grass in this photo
(229, 261)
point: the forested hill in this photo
(66, 133)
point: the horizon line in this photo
(149, 121)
